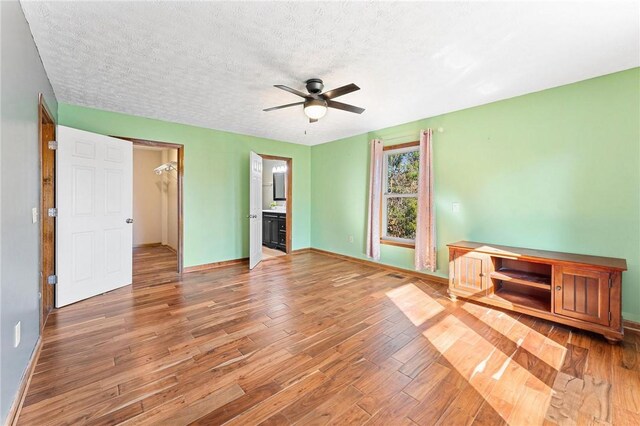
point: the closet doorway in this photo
(157, 206)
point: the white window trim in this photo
(386, 195)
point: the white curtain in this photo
(375, 198)
(425, 252)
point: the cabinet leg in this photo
(613, 340)
(452, 296)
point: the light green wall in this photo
(216, 179)
(555, 170)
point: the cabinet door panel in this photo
(270, 225)
(582, 294)
(470, 273)
(274, 232)
(265, 230)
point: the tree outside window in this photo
(400, 194)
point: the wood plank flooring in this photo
(311, 339)
(269, 253)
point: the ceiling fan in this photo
(316, 102)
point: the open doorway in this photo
(155, 209)
(270, 207)
(277, 206)
(84, 268)
(274, 208)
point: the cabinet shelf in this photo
(530, 279)
(532, 301)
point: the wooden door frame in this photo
(180, 148)
(47, 200)
(289, 202)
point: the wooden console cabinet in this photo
(577, 290)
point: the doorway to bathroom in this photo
(274, 208)
(270, 207)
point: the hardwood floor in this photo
(269, 253)
(313, 339)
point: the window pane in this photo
(402, 173)
(401, 217)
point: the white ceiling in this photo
(215, 64)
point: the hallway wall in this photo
(147, 197)
(23, 78)
(170, 201)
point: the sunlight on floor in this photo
(508, 363)
(547, 350)
(414, 303)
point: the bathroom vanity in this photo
(274, 229)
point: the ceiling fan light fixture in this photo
(315, 109)
(316, 103)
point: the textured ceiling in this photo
(214, 64)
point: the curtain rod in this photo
(438, 129)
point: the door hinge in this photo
(52, 279)
(53, 145)
(609, 316)
(610, 282)
(52, 212)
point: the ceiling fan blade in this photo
(331, 94)
(345, 107)
(284, 106)
(290, 90)
(312, 120)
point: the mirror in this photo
(279, 193)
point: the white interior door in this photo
(94, 186)
(255, 210)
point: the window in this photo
(400, 195)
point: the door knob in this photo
(129, 220)
(252, 216)
(558, 288)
